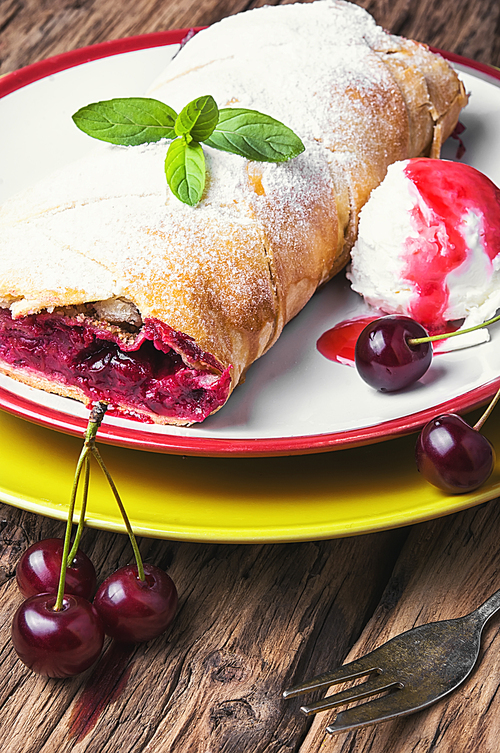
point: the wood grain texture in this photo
(468, 28)
(251, 618)
(446, 569)
(31, 30)
(35, 29)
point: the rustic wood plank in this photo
(35, 29)
(446, 569)
(250, 618)
(467, 28)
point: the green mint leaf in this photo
(128, 122)
(198, 118)
(185, 170)
(255, 136)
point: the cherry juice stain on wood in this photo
(103, 688)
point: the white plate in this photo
(294, 400)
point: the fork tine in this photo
(381, 709)
(374, 684)
(366, 665)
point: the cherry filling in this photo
(133, 372)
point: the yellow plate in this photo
(234, 500)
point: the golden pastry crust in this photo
(232, 271)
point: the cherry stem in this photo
(95, 420)
(479, 424)
(434, 338)
(133, 541)
(96, 416)
(81, 522)
(69, 524)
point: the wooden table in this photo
(253, 618)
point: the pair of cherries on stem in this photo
(394, 352)
(57, 631)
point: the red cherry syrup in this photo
(338, 343)
(449, 191)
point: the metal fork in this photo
(413, 670)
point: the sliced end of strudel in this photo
(104, 351)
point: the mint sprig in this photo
(140, 120)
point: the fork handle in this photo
(489, 607)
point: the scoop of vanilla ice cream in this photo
(429, 244)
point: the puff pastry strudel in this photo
(112, 289)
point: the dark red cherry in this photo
(453, 456)
(39, 567)
(384, 357)
(134, 610)
(57, 644)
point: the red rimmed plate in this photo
(294, 401)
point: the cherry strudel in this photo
(112, 289)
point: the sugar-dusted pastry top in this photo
(332, 75)
(231, 271)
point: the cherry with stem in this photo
(394, 351)
(454, 456)
(136, 603)
(61, 635)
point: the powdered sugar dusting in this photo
(232, 270)
(310, 66)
